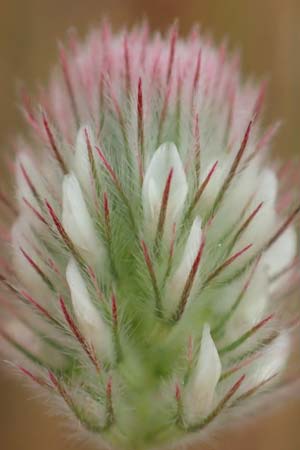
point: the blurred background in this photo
(268, 34)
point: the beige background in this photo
(268, 33)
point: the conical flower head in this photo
(153, 242)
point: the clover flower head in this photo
(153, 247)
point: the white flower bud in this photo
(271, 363)
(268, 187)
(275, 357)
(258, 231)
(236, 197)
(200, 391)
(88, 316)
(253, 305)
(176, 284)
(213, 188)
(282, 253)
(165, 159)
(78, 223)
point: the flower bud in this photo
(164, 159)
(176, 283)
(89, 317)
(200, 391)
(77, 222)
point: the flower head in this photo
(153, 242)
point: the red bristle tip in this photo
(234, 167)
(140, 100)
(190, 280)
(236, 255)
(32, 376)
(127, 64)
(107, 165)
(28, 180)
(53, 378)
(221, 405)
(152, 274)
(88, 142)
(35, 211)
(109, 387)
(32, 262)
(227, 263)
(68, 82)
(247, 222)
(164, 109)
(173, 40)
(244, 363)
(235, 387)
(140, 120)
(262, 323)
(172, 243)
(283, 227)
(196, 76)
(78, 335)
(54, 217)
(190, 350)
(201, 189)
(164, 206)
(177, 392)
(39, 307)
(114, 309)
(197, 147)
(251, 275)
(61, 230)
(52, 143)
(268, 136)
(106, 208)
(260, 99)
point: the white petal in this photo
(252, 307)
(275, 357)
(91, 323)
(165, 158)
(265, 221)
(78, 223)
(268, 187)
(238, 194)
(176, 284)
(200, 391)
(81, 164)
(191, 248)
(271, 363)
(282, 252)
(215, 183)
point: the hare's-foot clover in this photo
(153, 245)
